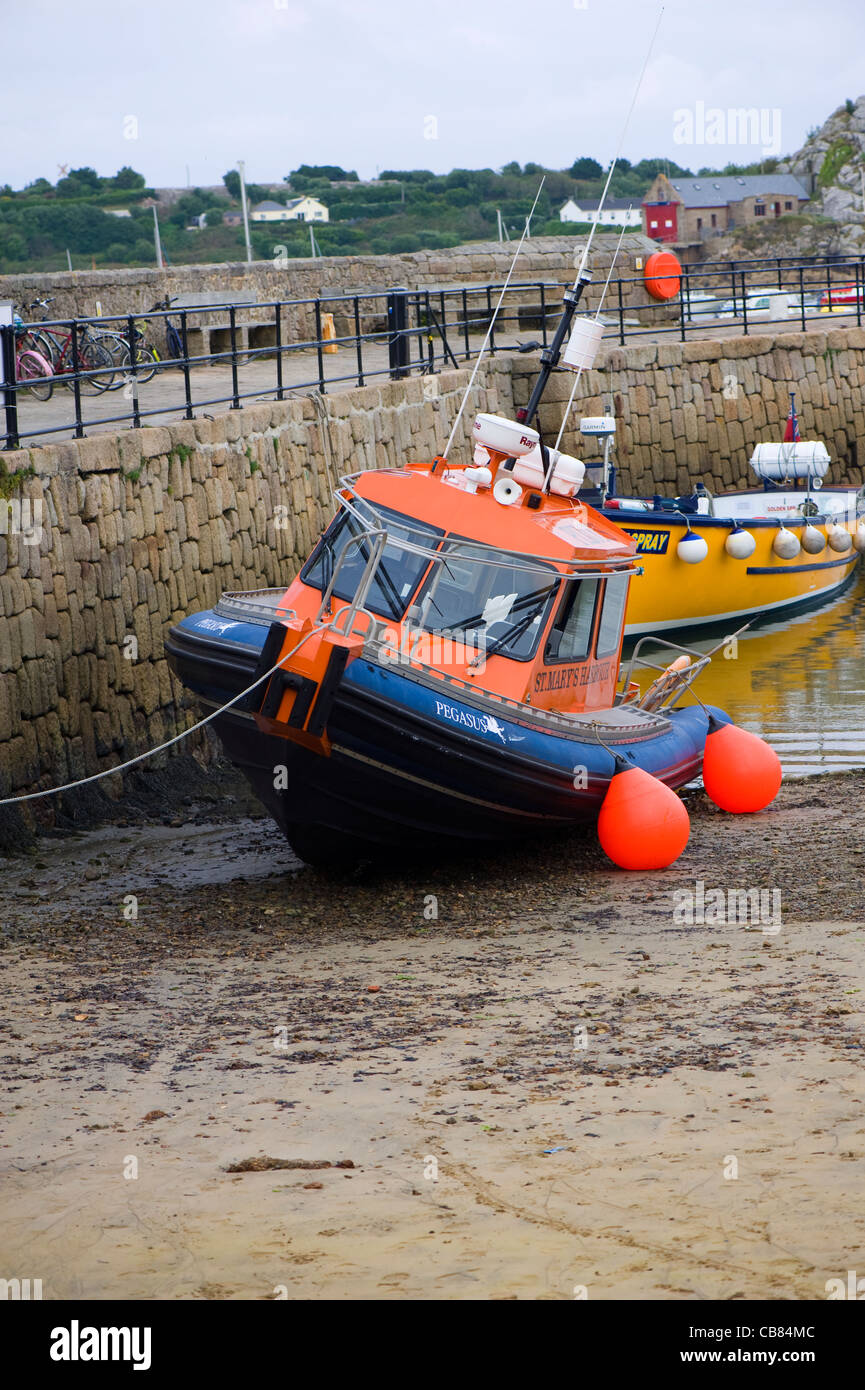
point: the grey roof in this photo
(717, 192)
(614, 204)
(270, 206)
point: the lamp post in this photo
(240, 165)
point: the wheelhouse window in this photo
(612, 615)
(488, 595)
(399, 571)
(571, 635)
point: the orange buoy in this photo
(662, 275)
(642, 824)
(741, 772)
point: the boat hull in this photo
(672, 594)
(412, 763)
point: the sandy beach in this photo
(546, 1085)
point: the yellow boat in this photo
(710, 559)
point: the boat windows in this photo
(571, 635)
(501, 605)
(612, 615)
(399, 571)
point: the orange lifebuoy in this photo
(662, 275)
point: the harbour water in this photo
(799, 683)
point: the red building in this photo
(662, 221)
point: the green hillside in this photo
(403, 210)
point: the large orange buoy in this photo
(741, 772)
(643, 824)
(662, 275)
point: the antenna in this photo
(550, 356)
(620, 144)
(492, 322)
(579, 371)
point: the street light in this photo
(240, 165)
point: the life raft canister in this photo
(662, 275)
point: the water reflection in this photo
(800, 683)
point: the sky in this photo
(183, 89)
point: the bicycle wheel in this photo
(93, 357)
(34, 373)
(48, 345)
(146, 363)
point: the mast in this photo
(550, 357)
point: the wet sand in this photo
(256, 1008)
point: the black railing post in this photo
(133, 368)
(744, 306)
(397, 327)
(468, 349)
(543, 316)
(232, 328)
(621, 310)
(681, 314)
(802, 295)
(445, 344)
(858, 270)
(187, 381)
(492, 341)
(76, 380)
(357, 340)
(319, 348)
(10, 389)
(420, 327)
(278, 346)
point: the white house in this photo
(617, 212)
(304, 209)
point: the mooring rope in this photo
(151, 752)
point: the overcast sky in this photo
(166, 84)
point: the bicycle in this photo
(173, 340)
(33, 371)
(93, 365)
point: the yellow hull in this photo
(674, 594)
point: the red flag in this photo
(791, 433)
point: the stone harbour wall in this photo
(549, 259)
(142, 527)
(138, 528)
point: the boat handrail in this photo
(254, 604)
(679, 681)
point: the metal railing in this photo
(395, 332)
(418, 330)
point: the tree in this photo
(332, 173)
(586, 168)
(213, 217)
(127, 178)
(232, 183)
(88, 178)
(512, 168)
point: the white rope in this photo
(121, 767)
(492, 323)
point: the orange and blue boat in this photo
(445, 669)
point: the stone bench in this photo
(208, 329)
